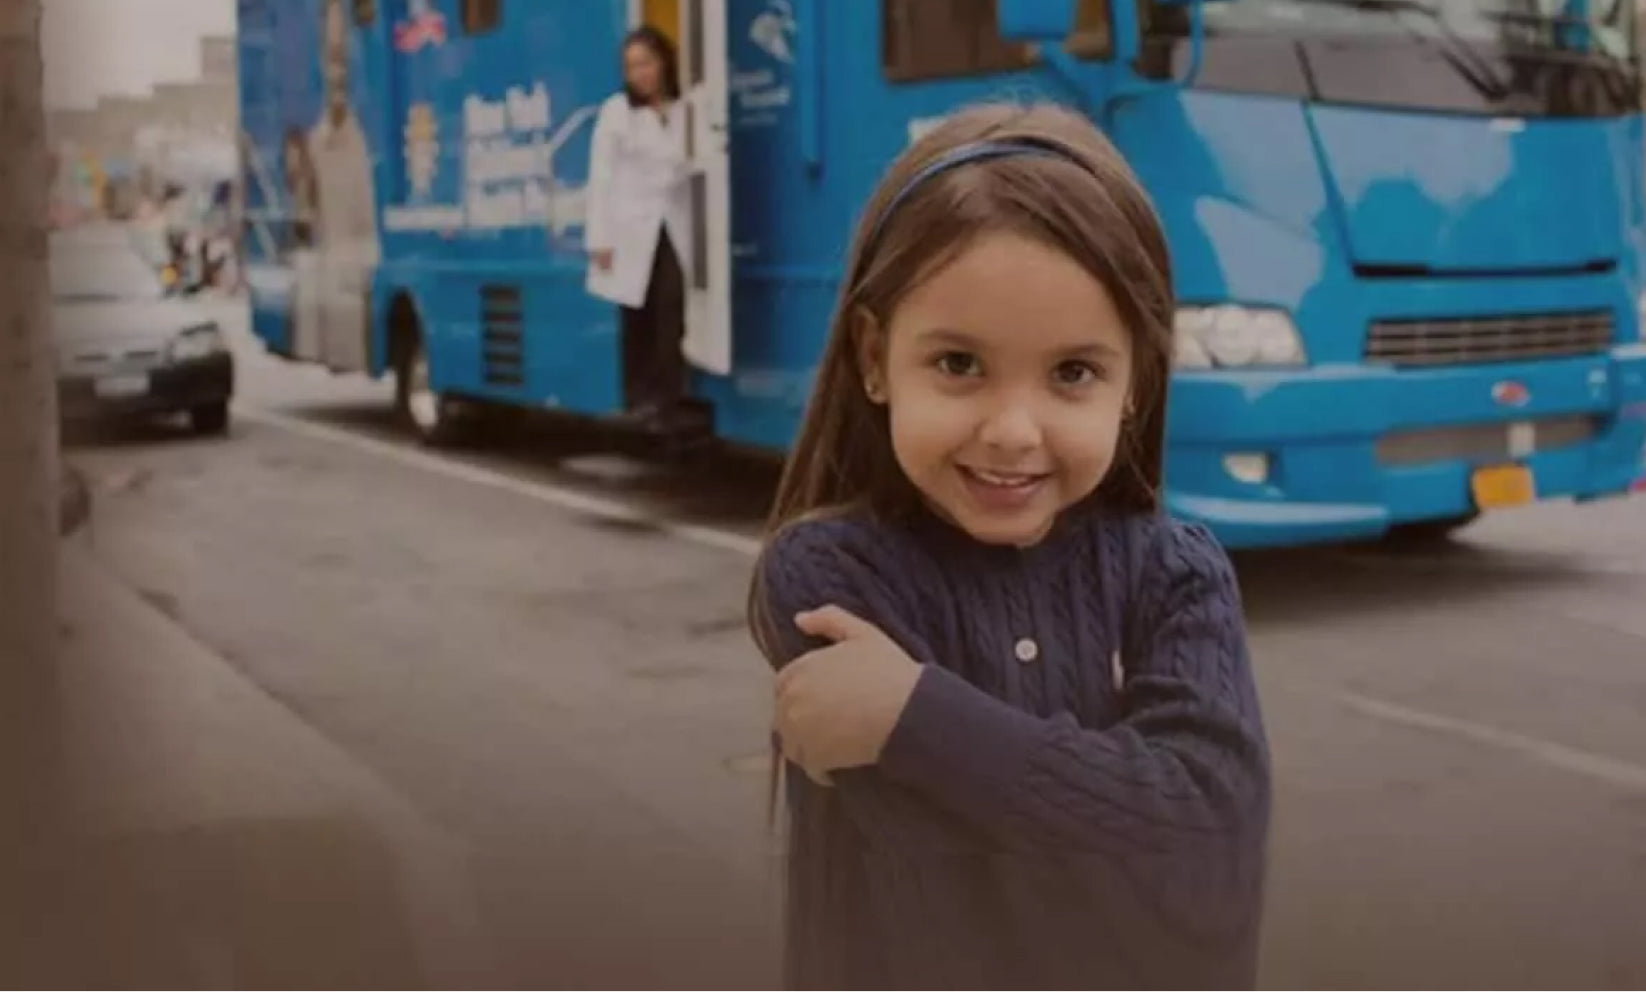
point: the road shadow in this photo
(1315, 584)
(710, 485)
(258, 903)
(134, 432)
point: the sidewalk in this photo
(222, 842)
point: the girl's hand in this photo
(836, 706)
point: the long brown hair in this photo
(1083, 201)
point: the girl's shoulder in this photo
(1157, 558)
(837, 546)
(847, 560)
(1159, 538)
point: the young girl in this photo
(1018, 694)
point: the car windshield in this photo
(91, 273)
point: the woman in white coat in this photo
(638, 226)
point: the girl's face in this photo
(643, 71)
(1006, 376)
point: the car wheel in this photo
(213, 418)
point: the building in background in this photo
(130, 148)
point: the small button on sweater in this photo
(1034, 820)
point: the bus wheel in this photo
(435, 417)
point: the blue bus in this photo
(1408, 234)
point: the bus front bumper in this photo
(1339, 453)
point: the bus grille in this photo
(1470, 340)
(1482, 442)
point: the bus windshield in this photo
(1603, 28)
(1526, 58)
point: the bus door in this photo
(708, 341)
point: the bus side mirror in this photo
(1035, 20)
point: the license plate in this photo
(1503, 485)
(118, 386)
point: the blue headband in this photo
(973, 152)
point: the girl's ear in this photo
(869, 342)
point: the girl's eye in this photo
(1077, 373)
(957, 363)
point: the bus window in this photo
(925, 40)
(480, 16)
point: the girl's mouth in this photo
(1002, 490)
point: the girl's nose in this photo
(1011, 427)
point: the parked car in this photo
(126, 346)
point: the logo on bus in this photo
(424, 26)
(1511, 393)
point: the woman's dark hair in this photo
(663, 48)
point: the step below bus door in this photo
(708, 339)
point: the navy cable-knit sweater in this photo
(1033, 821)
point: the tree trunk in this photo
(28, 486)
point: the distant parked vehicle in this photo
(127, 346)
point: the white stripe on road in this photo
(1571, 759)
(542, 492)
(1579, 762)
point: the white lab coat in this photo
(638, 187)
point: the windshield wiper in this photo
(1455, 50)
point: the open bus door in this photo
(698, 30)
(702, 34)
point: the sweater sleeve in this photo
(843, 562)
(1184, 772)
(815, 564)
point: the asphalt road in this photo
(1460, 737)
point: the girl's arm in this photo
(1185, 773)
(845, 563)
(1164, 814)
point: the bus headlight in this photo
(1230, 336)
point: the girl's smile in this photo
(1002, 492)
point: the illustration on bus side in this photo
(313, 215)
(466, 164)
